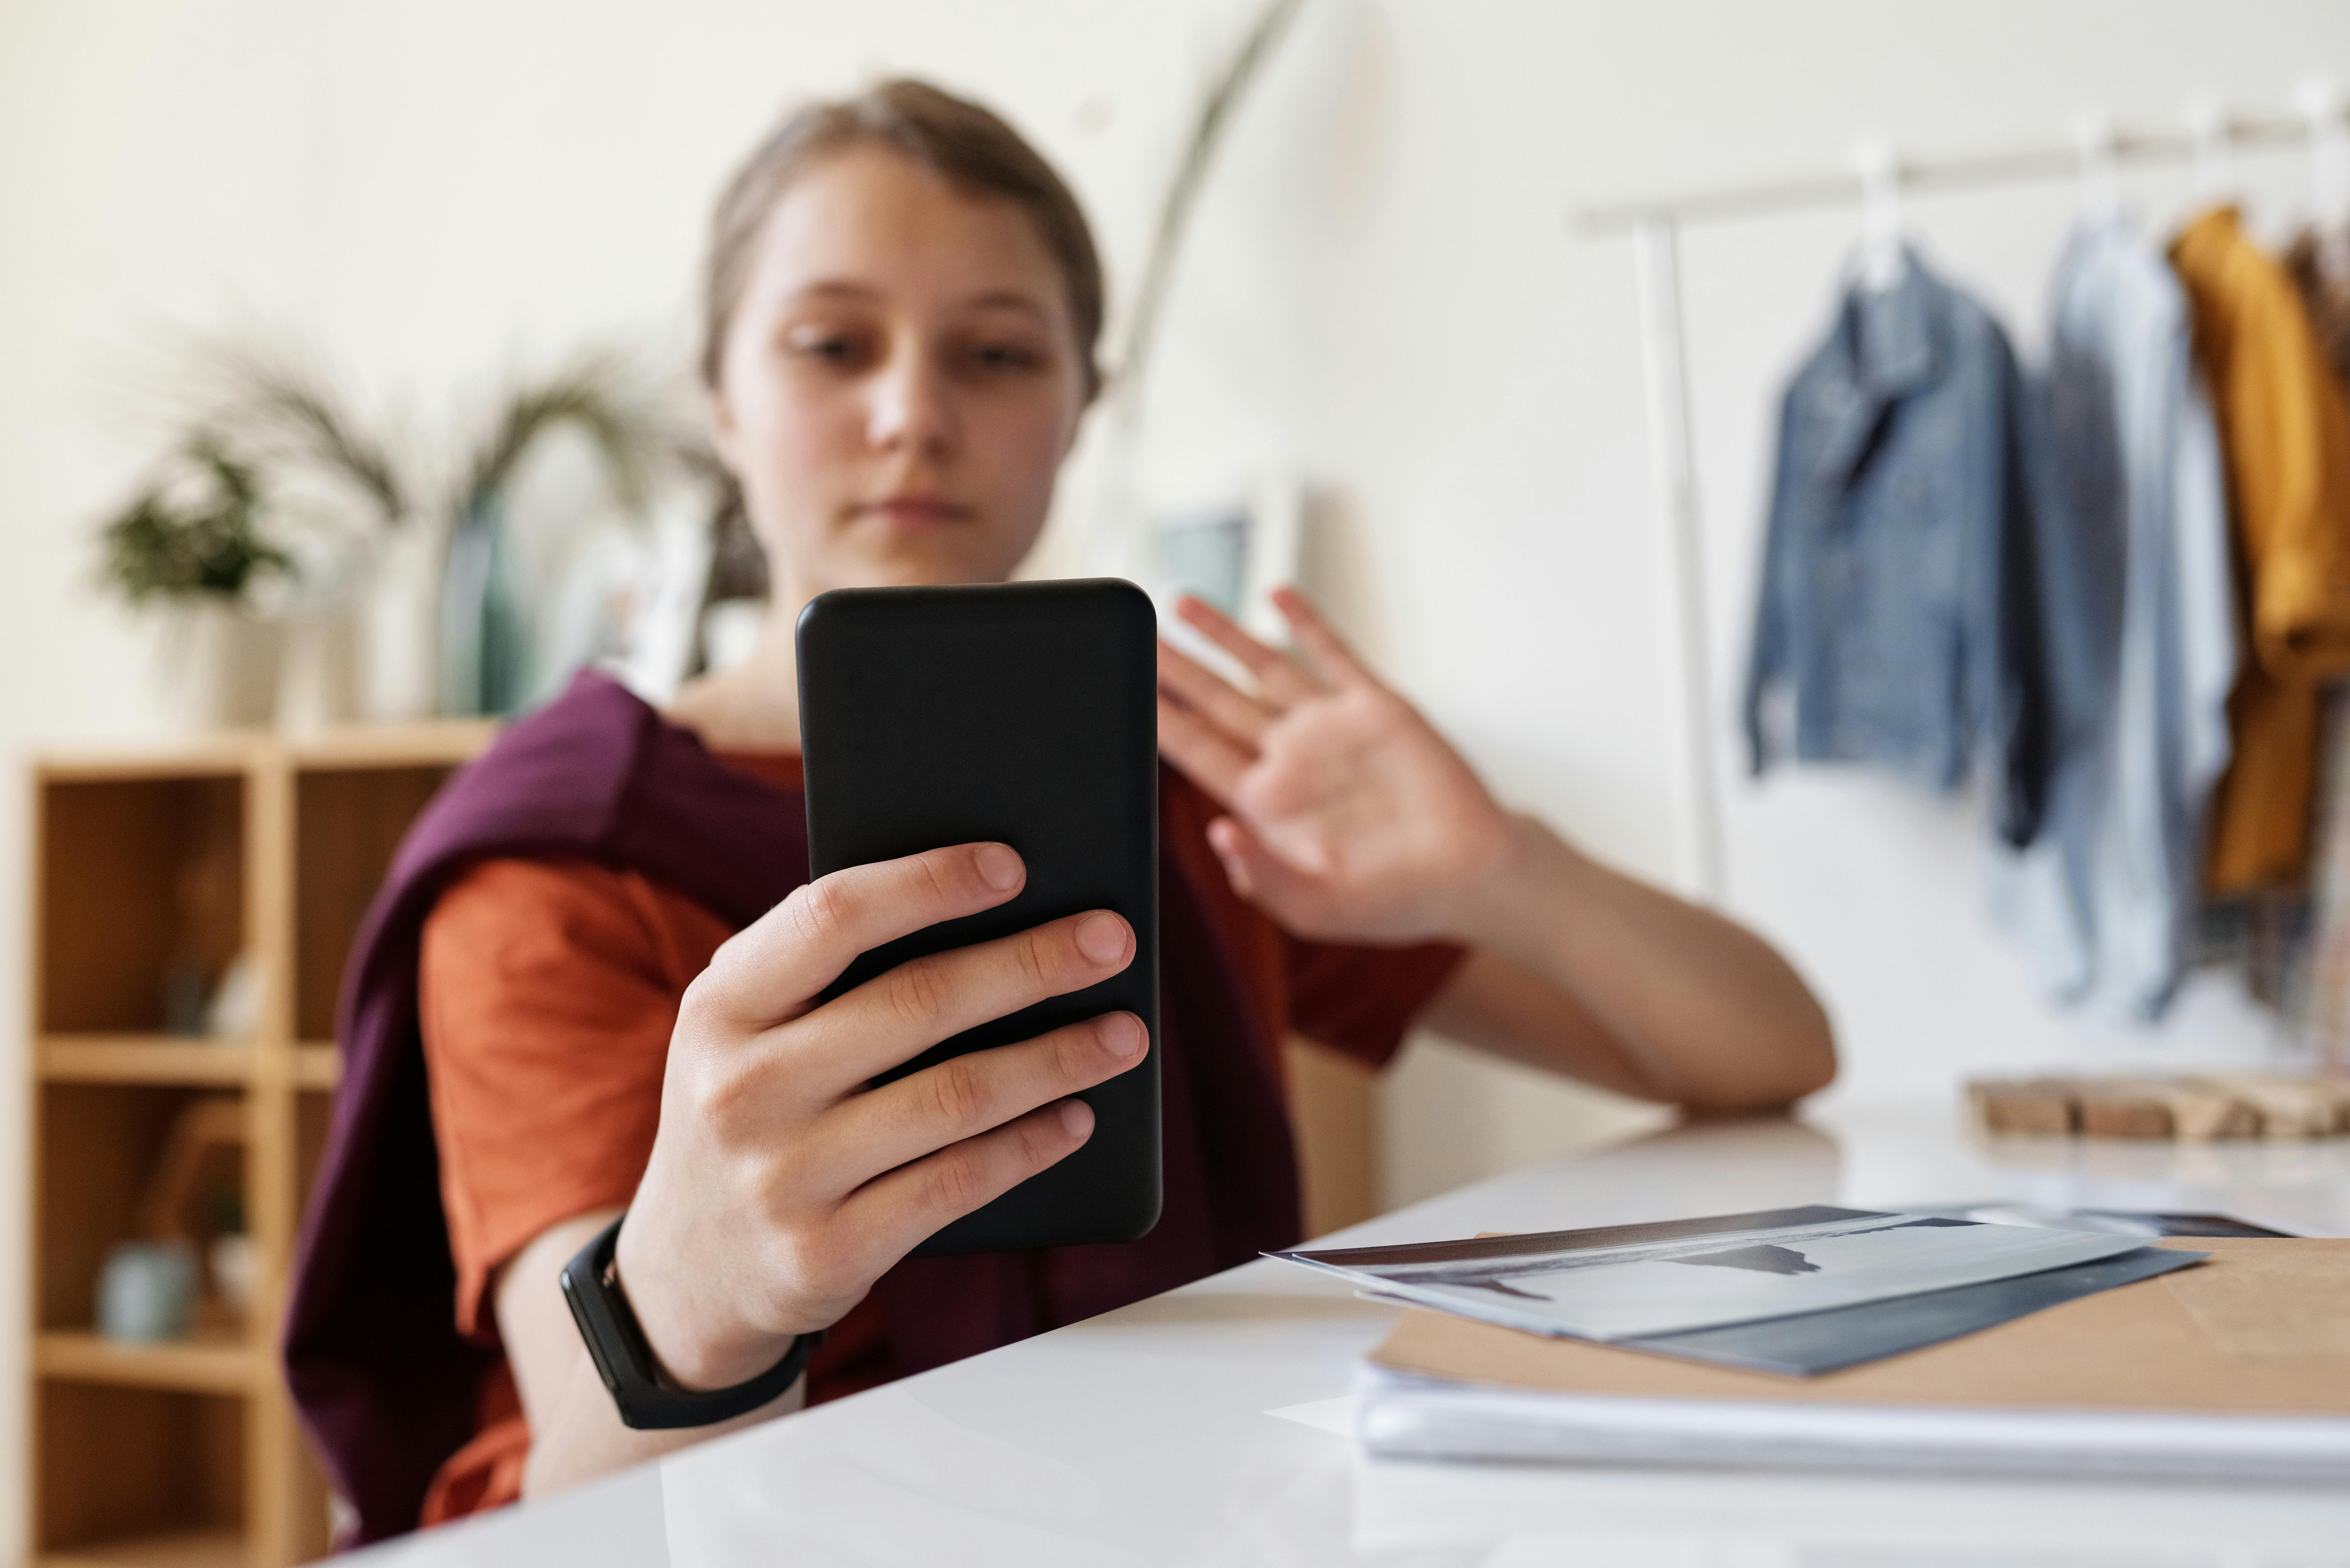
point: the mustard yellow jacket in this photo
(2286, 431)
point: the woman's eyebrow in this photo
(834, 287)
(1010, 299)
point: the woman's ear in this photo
(1087, 400)
(724, 437)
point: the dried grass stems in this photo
(280, 404)
(603, 393)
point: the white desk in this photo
(1143, 1436)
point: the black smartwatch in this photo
(616, 1343)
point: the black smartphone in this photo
(1027, 713)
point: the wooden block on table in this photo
(2289, 1107)
(2193, 1108)
(2202, 1108)
(2125, 1109)
(2338, 1091)
(2042, 1107)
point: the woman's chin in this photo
(932, 559)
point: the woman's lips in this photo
(916, 510)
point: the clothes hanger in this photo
(2320, 102)
(2210, 137)
(1881, 257)
(2095, 141)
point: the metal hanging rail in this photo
(1943, 174)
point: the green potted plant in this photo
(193, 542)
(258, 523)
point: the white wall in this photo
(1383, 296)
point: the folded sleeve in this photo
(547, 993)
(1362, 999)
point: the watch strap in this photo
(624, 1359)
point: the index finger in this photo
(772, 970)
(1328, 651)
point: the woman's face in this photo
(900, 382)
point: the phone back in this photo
(1024, 712)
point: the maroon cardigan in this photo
(387, 1387)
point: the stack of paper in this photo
(2037, 1352)
(2237, 1370)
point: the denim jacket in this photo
(1911, 560)
(2107, 901)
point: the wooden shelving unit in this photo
(152, 870)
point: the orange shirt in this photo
(549, 989)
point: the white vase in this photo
(319, 685)
(220, 665)
(398, 626)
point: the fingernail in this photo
(1101, 937)
(1076, 1118)
(999, 866)
(1121, 1035)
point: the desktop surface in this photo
(1206, 1427)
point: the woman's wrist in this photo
(696, 1343)
(1524, 894)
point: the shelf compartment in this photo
(100, 1145)
(140, 896)
(162, 1059)
(127, 1471)
(347, 823)
(214, 1363)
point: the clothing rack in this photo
(1940, 174)
(1654, 224)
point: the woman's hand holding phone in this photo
(781, 1186)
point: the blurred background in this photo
(1381, 326)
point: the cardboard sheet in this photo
(2256, 1329)
(2240, 1312)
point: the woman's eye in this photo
(1004, 356)
(828, 347)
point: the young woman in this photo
(903, 304)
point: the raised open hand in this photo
(1351, 818)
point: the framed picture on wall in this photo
(1233, 552)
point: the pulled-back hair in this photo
(965, 145)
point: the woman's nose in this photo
(912, 406)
